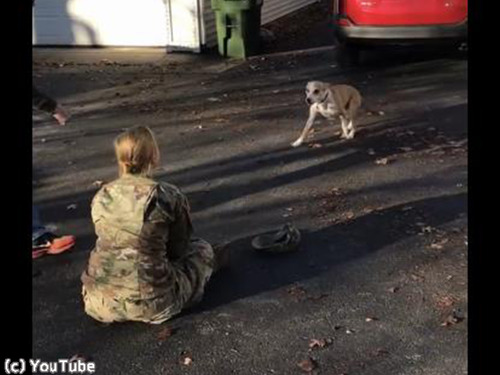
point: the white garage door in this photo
(100, 22)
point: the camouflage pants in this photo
(192, 273)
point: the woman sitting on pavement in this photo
(145, 266)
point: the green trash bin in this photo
(238, 26)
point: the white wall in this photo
(136, 22)
(100, 22)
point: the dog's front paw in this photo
(350, 135)
(297, 143)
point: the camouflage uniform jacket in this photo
(143, 229)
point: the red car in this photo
(360, 23)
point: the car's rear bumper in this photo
(366, 33)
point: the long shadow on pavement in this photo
(324, 250)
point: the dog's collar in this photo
(326, 97)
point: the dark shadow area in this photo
(321, 251)
(64, 25)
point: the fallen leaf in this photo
(296, 291)
(72, 206)
(349, 215)
(307, 365)
(349, 331)
(452, 319)
(381, 113)
(336, 191)
(98, 183)
(370, 319)
(315, 343)
(394, 289)
(315, 145)
(165, 333)
(439, 245)
(444, 302)
(187, 361)
(382, 161)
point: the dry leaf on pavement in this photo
(315, 145)
(439, 245)
(186, 360)
(296, 291)
(349, 215)
(452, 319)
(321, 343)
(382, 161)
(445, 301)
(307, 365)
(165, 333)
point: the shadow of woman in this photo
(323, 251)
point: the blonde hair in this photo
(137, 151)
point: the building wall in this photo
(100, 22)
(137, 22)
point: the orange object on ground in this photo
(55, 246)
